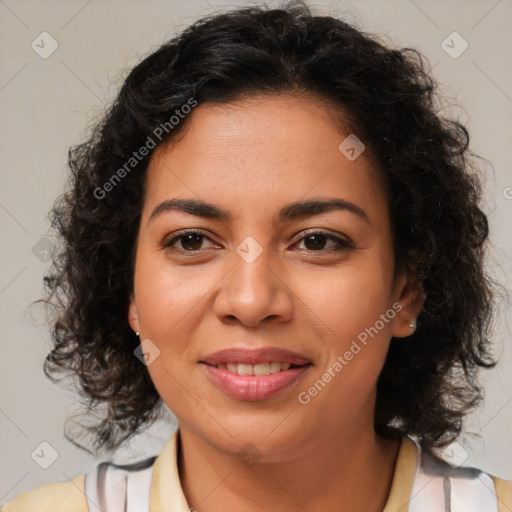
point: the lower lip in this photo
(254, 387)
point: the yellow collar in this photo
(403, 477)
(166, 494)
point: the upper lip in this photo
(254, 356)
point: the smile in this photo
(243, 382)
(255, 369)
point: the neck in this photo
(354, 469)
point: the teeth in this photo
(245, 369)
(255, 369)
(275, 367)
(262, 369)
(232, 367)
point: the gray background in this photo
(47, 105)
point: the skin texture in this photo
(251, 158)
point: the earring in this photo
(137, 333)
(412, 325)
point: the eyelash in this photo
(342, 244)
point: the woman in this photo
(273, 233)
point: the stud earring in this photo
(412, 325)
(137, 333)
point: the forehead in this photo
(262, 150)
(290, 124)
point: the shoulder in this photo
(109, 483)
(442, 483)
(55, 497)
(504, 493)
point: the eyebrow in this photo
(289, 212)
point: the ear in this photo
(133, 314)
(410, 296)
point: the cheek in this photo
(167, 295)
(168, 302)
(353, 304)
(354, 333)
(348, 299)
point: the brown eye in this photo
(316, 242)
(189, 241)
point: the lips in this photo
(255, 356)
(260, 373)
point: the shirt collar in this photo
(166, 494)
(403, 477)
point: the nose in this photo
(253, 292)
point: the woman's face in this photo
(261, 271)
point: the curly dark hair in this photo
(427, 385)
